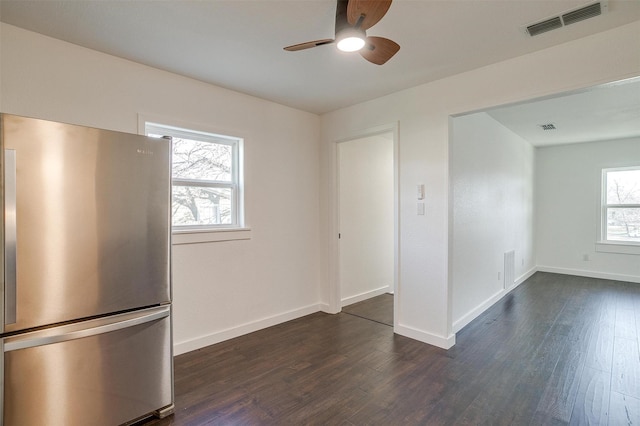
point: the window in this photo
(621, 205)
(205, 176)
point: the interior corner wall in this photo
(220, 289)
(423, 293)
(492, 183)
(568, 208)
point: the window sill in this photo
(617, 247)
(199, 236)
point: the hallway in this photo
(378, 309)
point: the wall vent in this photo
(548, 126)
(570, 17)
(509, 268)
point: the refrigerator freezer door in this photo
(112, 371)
(92, 223)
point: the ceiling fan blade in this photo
(379, 50)
(309, 44)
(373, 11)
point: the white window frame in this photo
(604, 244)
(192, 234)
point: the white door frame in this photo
(335, 303)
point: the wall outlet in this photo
(585, 257)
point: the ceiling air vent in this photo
(544, 26)
(568, 18)
(581, 14)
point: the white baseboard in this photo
(475, 312)
(590, 274)
(522, 278)
(230, 333)
(423, 336)
(429, 338)
(326, 308)
(364, 296)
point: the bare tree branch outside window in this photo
(204, 179)
(203, 161)
(623, 205)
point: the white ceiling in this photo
(238, 44)
(601, 113)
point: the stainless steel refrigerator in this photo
(86, 295)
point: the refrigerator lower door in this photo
(106, 371)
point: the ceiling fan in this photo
(353, 18)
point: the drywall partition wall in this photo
(492, 204)
(220, 289)
(568, 180)
(423, 295)
(366, 217)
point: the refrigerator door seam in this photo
(46, 338)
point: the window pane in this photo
(623, 187)
(201, 206)
(202, 160)
(623, 224)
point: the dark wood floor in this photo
(379, 309)
(557, 350)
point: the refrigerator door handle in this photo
(46, 337)
(10, 236)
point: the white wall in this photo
(492, 184)
(221, 289)
(366, 217)
(568, 181)
(423, 294)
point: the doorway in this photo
(366, 194)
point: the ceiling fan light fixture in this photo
(351, 44)
(353, 19)
(351, 40)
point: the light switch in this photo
(421, 209)
(421, 192)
